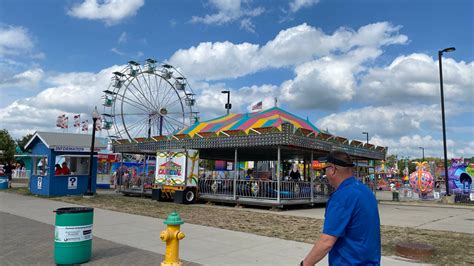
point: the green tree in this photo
(22, 142)
(7, 146)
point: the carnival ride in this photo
(270, 137)
(147, 100)
(421, 180)
(460, 176)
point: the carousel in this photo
(259, 151)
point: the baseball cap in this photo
(339, 158)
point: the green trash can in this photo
(73, 235)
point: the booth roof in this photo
(55, 139)
(273, 117)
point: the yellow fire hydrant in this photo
(171, 236)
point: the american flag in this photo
(77, 120)
(257, 106)
(85, 125)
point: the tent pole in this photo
(278, 176)
(236, 173)
(311, 176)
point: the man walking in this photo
(351, 232)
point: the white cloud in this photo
(247, 25)
(293, 46)
(26, 80)
(322, 84)
(123, 37)
(296, 5)
(211, 101)
(387, 121)
(414, 78)
(401, 127)
(133, 56)
(220, 60)
(229, 11)
(117, 51)
(70, 93)
(110, 11)
(14, 41)
(408, 145)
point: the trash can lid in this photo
(73, 210)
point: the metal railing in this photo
(263, 189)
(137, 183)
(464, 196)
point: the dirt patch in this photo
(450, 248)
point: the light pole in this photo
(228, 106)
(423, 153)
(95, 116)
(440, 55)
(366, 133)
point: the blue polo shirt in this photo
(352, 216)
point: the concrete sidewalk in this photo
(203, 245)
(25, 245)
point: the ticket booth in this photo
(61, 163)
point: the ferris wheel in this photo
(147, 100)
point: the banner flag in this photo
(77, 120)
(98, 124)
(65, 122)
(59, 121)
(85, 125)
(62, 121)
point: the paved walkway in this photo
(27, 242)
(202, 245)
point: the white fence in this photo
(21, 174)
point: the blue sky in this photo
(349, 66)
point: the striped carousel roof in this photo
(273, 117)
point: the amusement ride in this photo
(147, 99)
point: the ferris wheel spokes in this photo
(142, 94)
(137, 104)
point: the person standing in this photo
(64, 169)
(8, 172)
(351, 231)
(295, 173)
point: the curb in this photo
(421, 204)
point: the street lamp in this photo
(440, 55)
(423, 152)
(95, 116)
(366, 133)
(228, 106)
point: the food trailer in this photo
(176, 176)
(50, 149)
